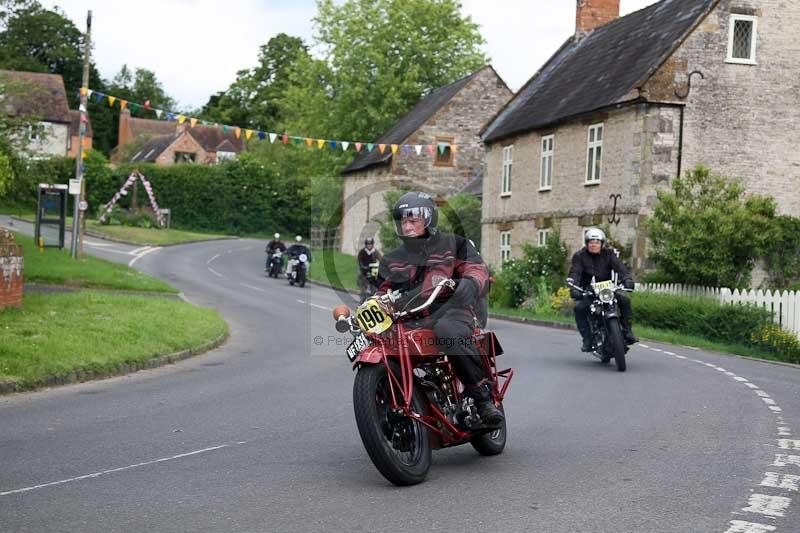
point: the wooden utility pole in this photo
(77, 213)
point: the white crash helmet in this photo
(277, 236)
(298, 238)
(594, 234)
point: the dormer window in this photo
(742, 35)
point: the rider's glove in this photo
(629, 284)
(466, 293)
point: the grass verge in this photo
(56, 267)
(334, 268)
(652, 334)
(131, 234)
(55, 334)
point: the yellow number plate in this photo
(371, 318)
(600, 285)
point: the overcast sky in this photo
(195, 47)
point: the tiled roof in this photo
(43, 96)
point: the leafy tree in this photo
(140, 86)
(254, 99)
(782, 252)
(706, 232)
(380, 58)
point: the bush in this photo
(561, 302)
(783, 344)
(700, 317)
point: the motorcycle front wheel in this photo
(616, 344)
(399, 447)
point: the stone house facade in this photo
(43, 98)
(452, 115)
(613, 117)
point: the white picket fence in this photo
(784, 306)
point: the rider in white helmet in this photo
(275, 244)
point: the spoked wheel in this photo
(493, 442)
(399, 447)
(616, 343)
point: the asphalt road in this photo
(259, 434)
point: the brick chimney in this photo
(125, 134)
(593, 13)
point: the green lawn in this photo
(131, 234)
(55, 334)
(56, 267)
(334, 268)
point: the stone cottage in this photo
(626, 104)
(450, 115)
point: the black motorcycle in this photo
(275, 264)
(297, 270)
(604, 321)
(371, 285)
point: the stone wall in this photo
(11, 271)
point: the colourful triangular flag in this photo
(370, 146)
(224, 129)
(248, 134)
(89, 92)
(394, 149)
(453, 148)
(181, 119)
(237, 132)
(358, 147)
(83, 91)
(261, 135)
(111, 101)
(272, 137)
(431, 149)
(297, 140)
(285, 139)
(381, 147)
(158, 113)
(193, 121)
(309, 142)
(170, 116)
(332, 144)
(442, 147)
(345, 144)
(122, 104)
(418, 148)
(98, 97)
(320, 143)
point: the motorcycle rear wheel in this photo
(616, 343)
(399, 447)
(491, 443)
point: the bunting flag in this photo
(296, 140)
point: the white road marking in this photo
(251, 287)
(300, 301)
(738, 378)
(751, 385)
(784, 431)
(144, 253)
(720, 369)
(740, 526)
(103, 472)
(731, 374)
(681, 357)
(775, 408)
(767, 505)
(788, 444)
(769, 401)
(761, 393)
(320, 307)
(212, 259)
(97, 244)
(669, 353)
(781, 481)
(657, 349)
(216, 273)
(786, 460)
(643, 345)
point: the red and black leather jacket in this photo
(420, 264)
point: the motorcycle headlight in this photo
(303, 258)
(606, 295)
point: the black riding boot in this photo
(489, 413)
(627, 331)
(586, 345)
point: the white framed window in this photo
(594, 154)
(505, 246)
(546, 166)
(742, 33)
(544, 234)
(508, 164)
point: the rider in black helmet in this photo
(426, 257)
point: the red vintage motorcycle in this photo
(407, 399)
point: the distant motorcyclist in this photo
(295, 250)
(275, 244)
(595, 261)
(367, 275)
